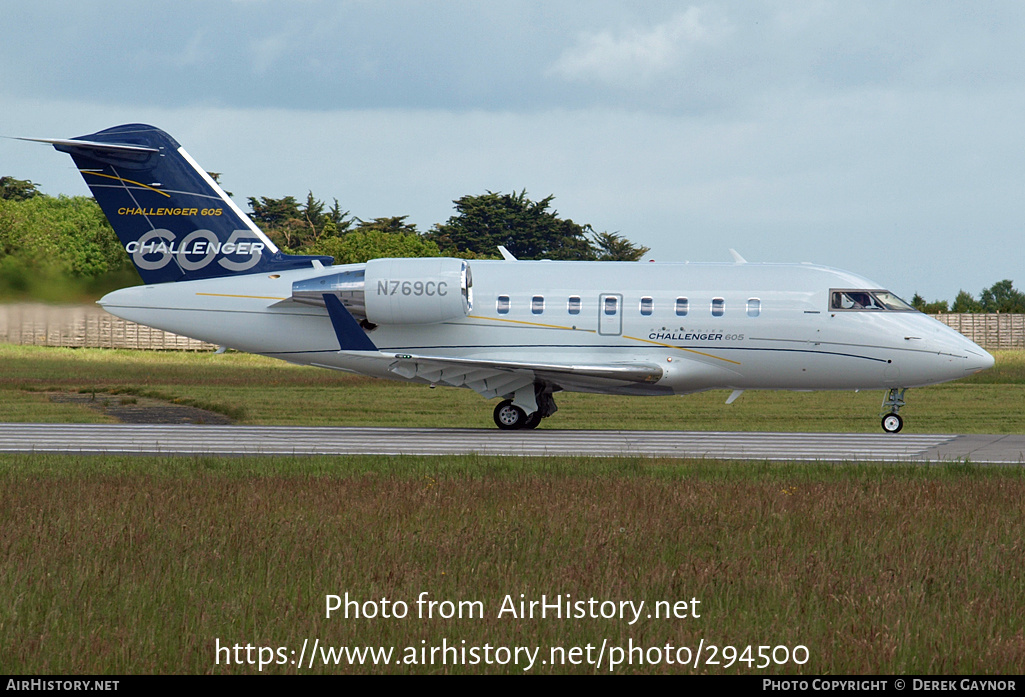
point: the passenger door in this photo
(610, 314)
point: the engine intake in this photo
(396, 291)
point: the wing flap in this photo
(493, 378)
(625, 371)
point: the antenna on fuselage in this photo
(737, 259)
(506, 254)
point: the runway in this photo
(189, 439)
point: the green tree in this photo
(280, 218)
(69, 235)
(528, 229)
(610, 246)
(933, 308)
(394, 225)
(12, 189)
(965, 302)
(59, 249)
(216, 176)
(273, 211)
(1002, 297)
(362, 245)
(294, 226)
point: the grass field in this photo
(130, 565)
(147, 565)
(256, 390)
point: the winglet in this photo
(351, 336)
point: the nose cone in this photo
(977, 360)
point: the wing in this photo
(495, 378)
(490, 378)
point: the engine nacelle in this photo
(396, 291)
(417, 291)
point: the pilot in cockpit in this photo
(860, 300)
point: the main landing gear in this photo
(510, 417)
(892, 402)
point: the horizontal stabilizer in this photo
(67, 144)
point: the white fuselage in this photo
(733, 326)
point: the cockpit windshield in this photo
(875, 300)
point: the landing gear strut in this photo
(892, 402)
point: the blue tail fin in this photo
(174, 221)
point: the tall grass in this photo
(140, 565)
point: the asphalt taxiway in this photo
(190, 439)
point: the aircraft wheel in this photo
(892, 423)
(533, 420)
(509, 417)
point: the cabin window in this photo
(647, 306)
(503, 304)
(718, 307)
(537, 304)
(682, 306)
(573, 306)
(754, 307)
(611, 305)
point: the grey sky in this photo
(879, 137)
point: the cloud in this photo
(841, 133)
(894, 186)
(638, 55)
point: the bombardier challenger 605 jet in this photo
(518, 331)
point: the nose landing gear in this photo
(892, 423)
(892, 402)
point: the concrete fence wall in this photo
(90, 326)
(84, 326)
